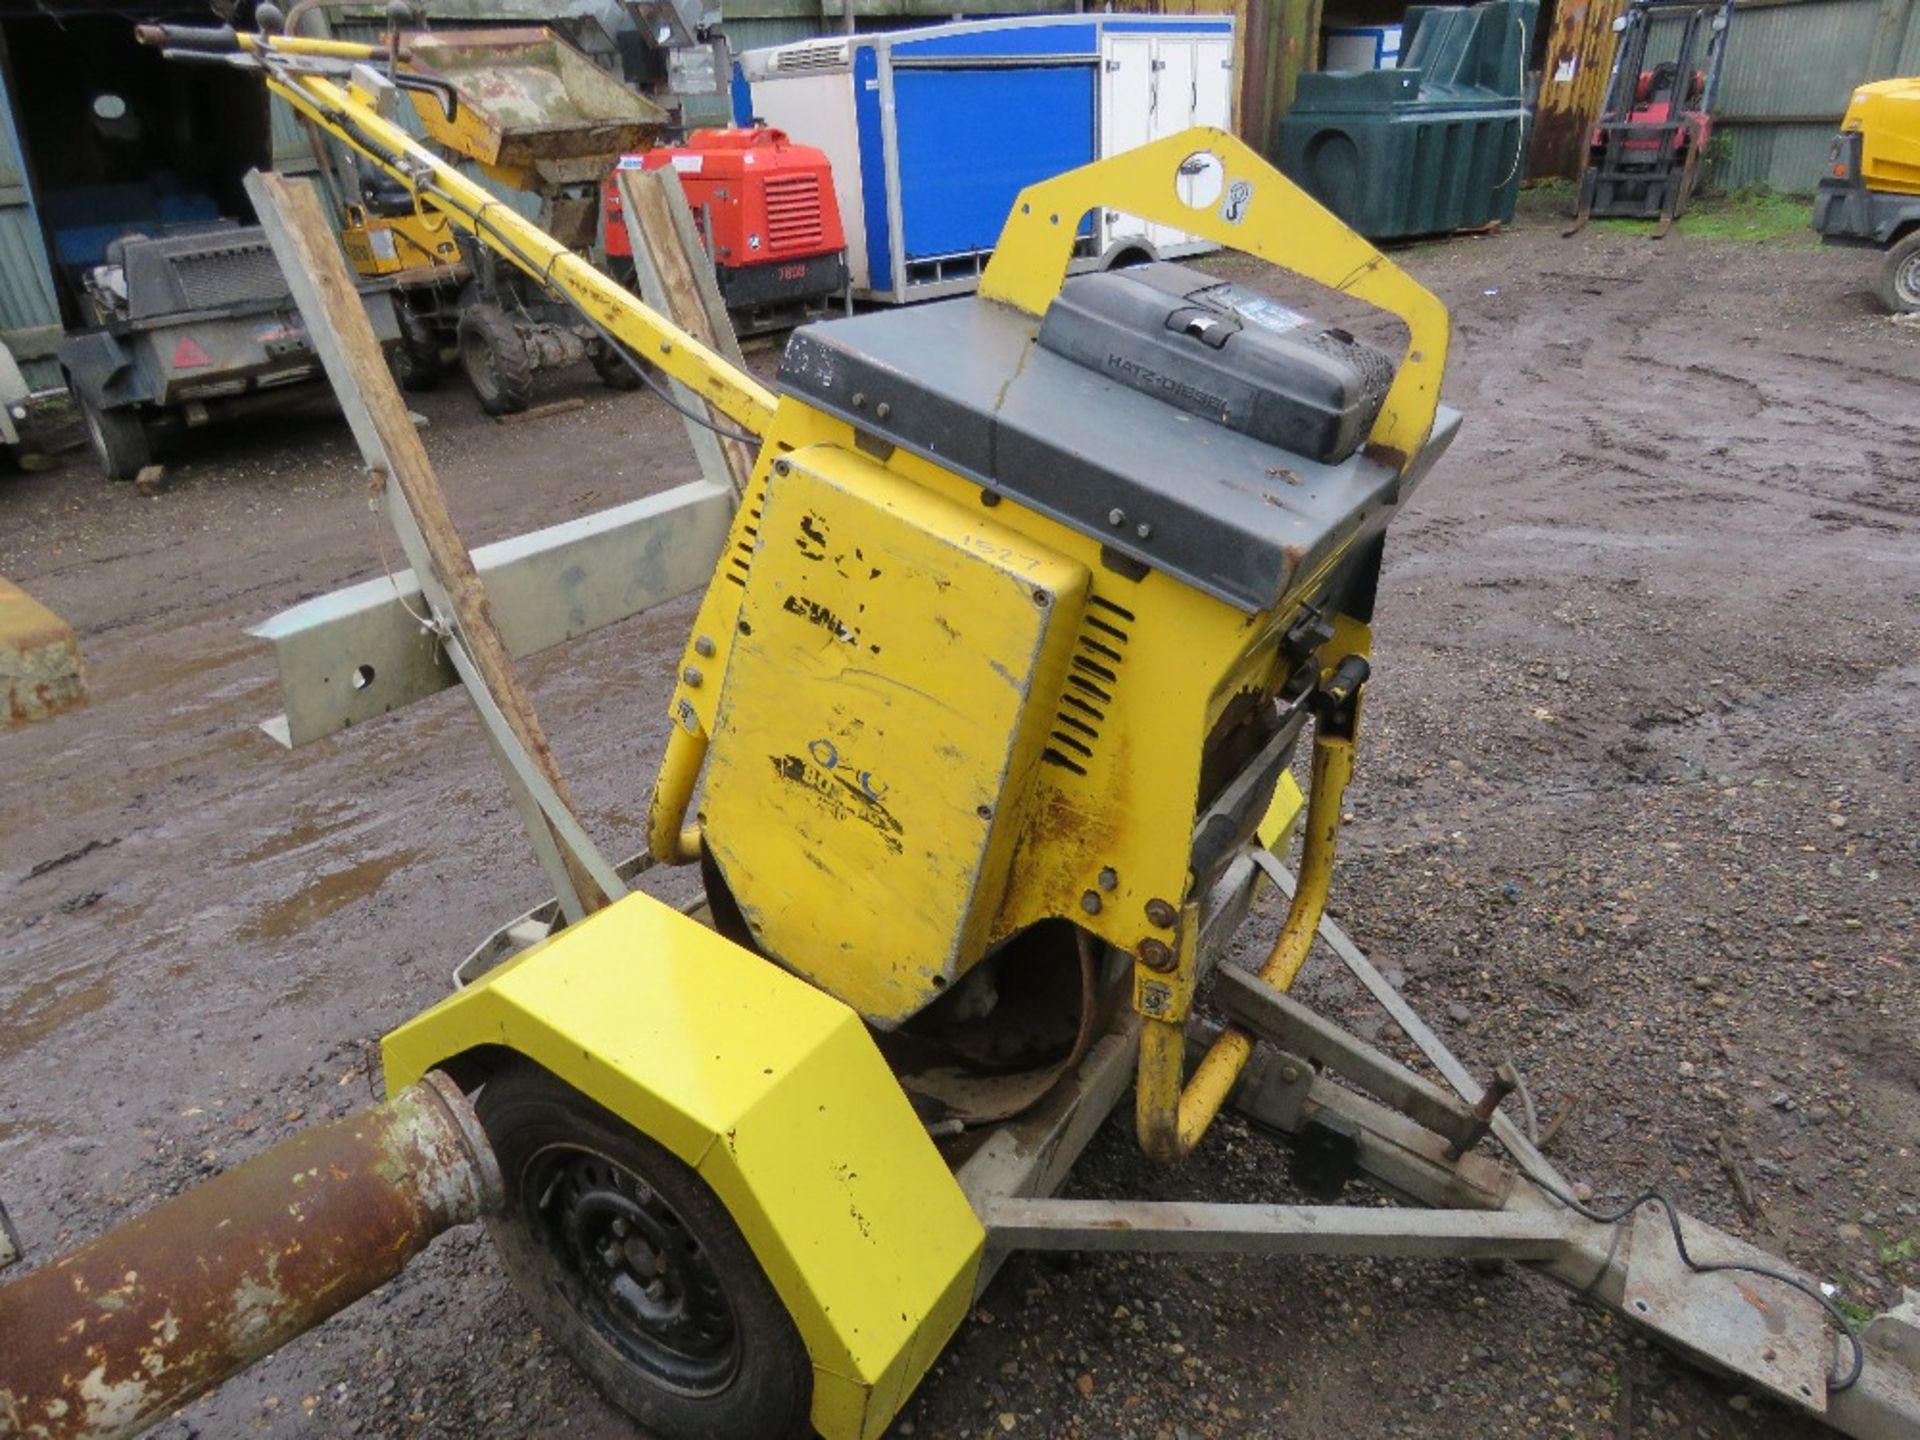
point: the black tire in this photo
(412, 371)
(495, 360)
(1899, 285)
(610, 364)
(118, 439)
(416, 361)
(671, 1316)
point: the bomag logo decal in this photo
(815, 612)
(843, 790)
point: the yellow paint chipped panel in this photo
(885, 707)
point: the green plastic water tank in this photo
(1438, 144)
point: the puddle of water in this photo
(43, 1007)
(324, 896)
(297, 836)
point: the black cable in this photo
(1835, 1383)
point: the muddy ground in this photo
(1637, 807)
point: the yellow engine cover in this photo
(390, 245)
(1887, 113)
(885, 708)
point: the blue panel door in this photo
(970, 140)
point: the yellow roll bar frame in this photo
(1257, 211)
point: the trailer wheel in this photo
(625, 1257)
(119, 440)
(1900, 277)
(495, 359)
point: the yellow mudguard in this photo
(775, 1093)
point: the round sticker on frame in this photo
(1233, 209)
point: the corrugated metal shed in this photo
(1908, 61)
(755, 32)
(1791, 64)
(1790, 68)
(29, 314)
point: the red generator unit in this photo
(766, 213)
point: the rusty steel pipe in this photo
(107, 1340)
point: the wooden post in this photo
(677, 280)
(337, 321)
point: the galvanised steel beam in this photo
(359, 653)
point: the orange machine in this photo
(767, 216)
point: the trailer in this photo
(1030, 599)
(192, 328)
(933, 132)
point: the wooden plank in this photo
(337, 320)
(542, 412)
(676, 280)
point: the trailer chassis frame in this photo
(1311, 1078)
(1307, 1077)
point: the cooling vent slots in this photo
(1092, 675)
(794, 216)
(228, 275)
(741, 560)
(825, 56)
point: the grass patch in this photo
(1745, 215)
(1861, 1315)
(1750, 215)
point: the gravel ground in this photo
(1636, 807)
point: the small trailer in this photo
(933, 132)
(192, 328)
(1030, 647)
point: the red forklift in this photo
(1644, 158)
(766, 213)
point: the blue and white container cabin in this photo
(933, 132)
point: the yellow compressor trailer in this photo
(1870, 193)
(983, 742)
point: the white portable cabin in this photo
(932, 132)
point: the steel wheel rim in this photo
(96, 435)
(1906, 282)
(630, 1267)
